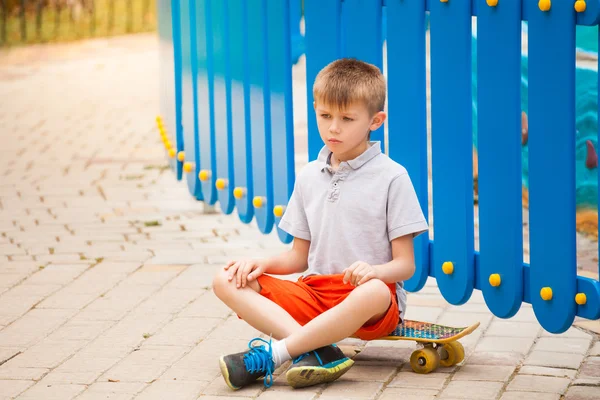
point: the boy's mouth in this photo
(334, 141)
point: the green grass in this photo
(129, 16)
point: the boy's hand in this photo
(359, 273)
(244, 271)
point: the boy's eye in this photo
(325, 115)
(348, 119)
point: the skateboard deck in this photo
(427, 332)
(439, 343)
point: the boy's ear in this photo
(378, 120)
(314, 105)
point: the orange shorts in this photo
(311, 296)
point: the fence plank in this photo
(282, 124)
(551, 37)
(262, 176)
(206, 129)
(323, 20)
(407, 109)
(222, 113)
(452, 147)
(499, 155)
(240, 108)
(361, 38)
(189, 89)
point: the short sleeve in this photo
(404, 213)
(294, 219)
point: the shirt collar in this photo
(373, 150)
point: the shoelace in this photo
(260, 360)
(300, 357)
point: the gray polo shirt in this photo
(353, 213)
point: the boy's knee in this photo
(377, 292)
(221, 284)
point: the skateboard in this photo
(440, 344)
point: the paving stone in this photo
(12, 387)
(595, 351)
(494, 358)
(408, 394)
(351, 390)
(466, 390)
(582, 393)
(529, 396)
(547, 384)
(545, 371)
(513, 329)
(145, 365)
(218, 387)
(504, 344)
(471, 372)
(590, 368)
(434, 380)
(174, 389)
(553, 359)
(52, 392)
(563, 345)
(370, 373)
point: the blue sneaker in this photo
(242, 369)
(322, 365)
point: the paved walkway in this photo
(106, 262)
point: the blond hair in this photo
(346, 81)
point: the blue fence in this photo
(226, 121)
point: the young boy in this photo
(353, 214)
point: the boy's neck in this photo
(337, 159)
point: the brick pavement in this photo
(97, 301)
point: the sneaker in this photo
(242, 369)
(322, 365)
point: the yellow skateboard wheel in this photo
(424, 360)
(451, 354)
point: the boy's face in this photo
(345, 132)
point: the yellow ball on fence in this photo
(580, 6)
(544, 5)
(168, 144)
(221, 183)
(580, 298)
(239, 192)
(171, 153)
(204, 175)
(448, 267)
(278, 211)
(257, 202)
(495, 280)
(188, 167)
(546, 293)
(181, 156)
(492, 3)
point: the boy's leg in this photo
(258, 311)
(366, 304)
(241, 369)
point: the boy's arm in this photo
(289, 262)
(402, 266)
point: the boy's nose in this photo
(333, 128)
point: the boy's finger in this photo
(365, 278)
(229, 264)
(240, 270)
(232, 271)
(247, 270)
